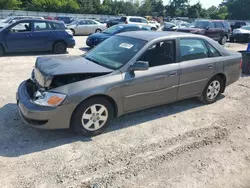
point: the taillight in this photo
(241, 63)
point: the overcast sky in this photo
(205, 3)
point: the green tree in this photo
(10, 4)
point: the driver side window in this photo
(161, 53)
(21, 27)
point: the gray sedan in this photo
(126, 73)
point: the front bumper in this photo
(241, 37)
(40, 116)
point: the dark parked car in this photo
(238, 25)
(168, 26)
(65, 19)
(218, 30)
(128, 72)
(242, 34)
(112, 22)
(35, 35)
(97, 38)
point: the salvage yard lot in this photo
(184, 144)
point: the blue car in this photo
(97, 38)
(35, 35)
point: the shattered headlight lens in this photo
(48, 98)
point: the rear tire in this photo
(153, 29)
(98, 31)
(92, 116)
(223, 40)
(1, 50)
(212, 91)
(59, 48)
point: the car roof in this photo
(151, 35)
(39, 20)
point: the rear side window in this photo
(219, 25)
(227, 25)
(192, 49)
(138, 20)
(213, 52)
(42, 26)
(58, 26)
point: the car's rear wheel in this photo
(73, 32)
(92, 116)
(153, 29)
(98, 31)
(1, 50)
(212, 91)
(59, 48)
(223, 40)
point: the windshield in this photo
(7, 20)
(113, 29)
(115, 52)
(200, 24)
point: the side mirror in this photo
(139, 66)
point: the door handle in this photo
(172, 74)
(210, 66)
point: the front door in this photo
(196, 68)
(157, 85)
(18, 36)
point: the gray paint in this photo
(132, 91)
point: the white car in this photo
(86, 27)
(155, 23)
(138, 21)
(242, 34)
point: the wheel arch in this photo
(223, 78)
(61, 40)
(110, 99)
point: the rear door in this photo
(221, 30)
(196, 68)
(18, 37)
(211, 31)
(43, 35)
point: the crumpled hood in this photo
(47, 67)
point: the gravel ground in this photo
(184, 144)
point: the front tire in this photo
(212, 91)
(92, 116)
(153, 29)
(59, 48)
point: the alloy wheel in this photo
(94, 117)
(213, 89)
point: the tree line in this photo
(228, 9)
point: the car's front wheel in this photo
(92, 116)
(212, 91)
(59, 48)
